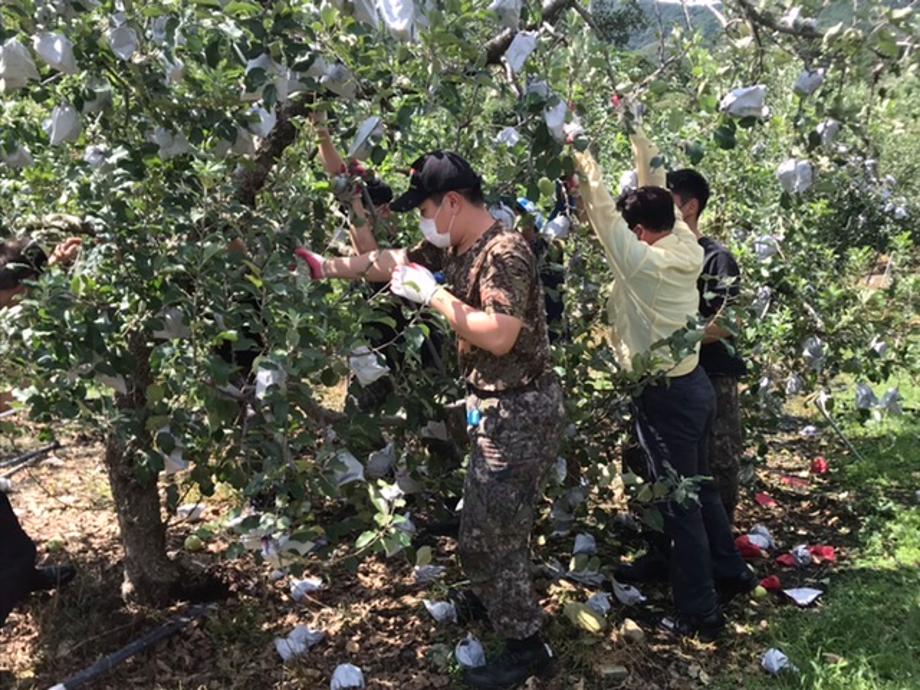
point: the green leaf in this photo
(645, 494)
(652, 517)
(365, 539)
(242, 9)
(423, 556)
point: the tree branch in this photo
(251, 179)
(497, 46)
(767, 20)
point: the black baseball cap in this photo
(436, 173)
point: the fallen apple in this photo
(760, 592)
(193, 543)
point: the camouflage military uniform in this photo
(725, 442)
(516, 439)
(719, 286)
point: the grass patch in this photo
(866, 632)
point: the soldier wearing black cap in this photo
(493, 300)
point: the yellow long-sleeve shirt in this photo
(654, 290)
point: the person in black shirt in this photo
(21, 261)
(719, 287)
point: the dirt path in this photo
(372, 613)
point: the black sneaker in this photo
(469, 607)
(706, 628)
(52, 577)
(649, 567)
(729, 589)
(521, 660)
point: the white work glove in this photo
(415, 283)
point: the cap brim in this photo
(408, 201)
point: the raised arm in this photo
(328, 154)
(625, 253)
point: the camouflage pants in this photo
(516, 441)
(725, 443)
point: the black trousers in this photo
(17, 560)
(673, 422)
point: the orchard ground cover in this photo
(860, 634)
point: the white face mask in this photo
(429, 229)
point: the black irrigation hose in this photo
(27, 458)
(106, 664)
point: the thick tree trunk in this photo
(150, 577)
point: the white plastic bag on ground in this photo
(803, 596)
(56, 51)
(522, 45)
(399, 16)
(809, 81)
(441, 611)
(298, 642)
(301, 588)
(265, 122)
(508, 11)
(192, 512)
(347, 677)
(509, 136)
(266, 378)
(369, 133)
(627, 594)
(746, 102)
(172, 144)
(16, 66)
(584, 544)
(380, 462)
(347, 469)
(426, 574)
(123, 41)
(367, 366)
(801, 555)
(865, 397)
(469, 652)
(774, 661)
(63, 125)
(760, 537)
(599, 603)
(557, 229)
(809, 431)
(796, 176)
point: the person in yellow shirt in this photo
(656, 260)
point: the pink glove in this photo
(314, 261)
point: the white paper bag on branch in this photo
(16, 66)
(56, 51)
